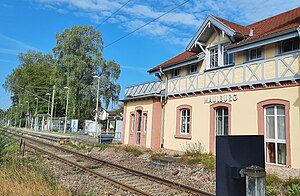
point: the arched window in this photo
(274, 124)
(221, 121)
(275, 134)
(139, 127)
(132, 119)
(184, 122)
(145, 117)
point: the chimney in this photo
(251, 32)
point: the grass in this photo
(275, 185)
(102, 147)
(133, 150)
(195, 154)
(21, 176)
(80, 146)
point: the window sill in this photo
(220, 67)
(253, 60)
(277, 165)
(188, 137)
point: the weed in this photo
(93, 166)
(273, 180)
(272, 190)
(293, 189)
(78, 160)
(133, 150)
(102, 147)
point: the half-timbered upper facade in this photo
(224, 69)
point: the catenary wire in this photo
(146, 24)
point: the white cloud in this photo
(176, 27)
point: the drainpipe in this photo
(163, 103)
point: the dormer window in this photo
(213, 57)
(253, 54)
(175, 73)
(289, 45)
(228, 58)
(193, 69)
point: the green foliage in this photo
(195, 154)
(272, 190)
(79, 54)
(101, 147)
(5, 147)
(273, 180)
(133, 150)
(293, 189)
(77, 57)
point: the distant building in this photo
(230, 80)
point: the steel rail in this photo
(124, 186)
(179, 186)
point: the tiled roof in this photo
(271, 25)
(243, 30)
(184, 56)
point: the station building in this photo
(230, 80)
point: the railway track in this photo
(126, 178)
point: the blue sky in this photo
(32, 24)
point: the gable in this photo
(209, 27)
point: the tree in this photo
(34, 77)
(79, 55)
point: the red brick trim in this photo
(124, 124)
(261, 119)
(156, 124)
(178, 134)
(212, 137)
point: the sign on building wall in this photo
(221, 98)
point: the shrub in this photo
(271, 190)
(133, 150)
(293, 189)
(273, 180)
(102, 147)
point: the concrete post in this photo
(255, 180)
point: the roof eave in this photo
(229, 31)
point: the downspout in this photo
(163, 103)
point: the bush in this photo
(272, 190)
(133, 150)
(293, 189)
(273, 180)
(102, 147)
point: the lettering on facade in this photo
(220, 98)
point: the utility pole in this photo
(20, 120)
(27, 115)
(67, 105)
(97, 108)
(52, 107)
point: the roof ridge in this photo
(218, 17)
(277, 15)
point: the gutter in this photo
(163, 103)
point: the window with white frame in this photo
(185, 120)
(193, 68)
(213, 57)
(228, 58)
(222, 121)
(254, 54)
(132, 122)
(145, 117)
(175, 72)
(275, 134)
(289, 45)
